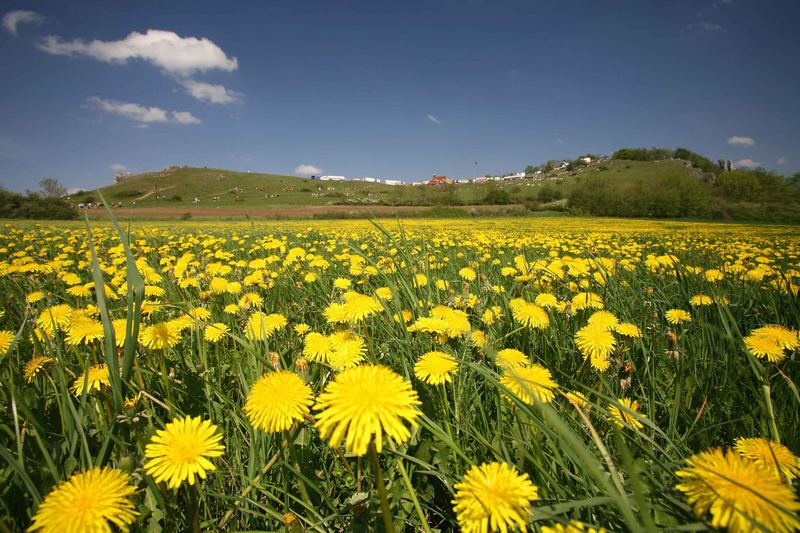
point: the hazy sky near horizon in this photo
(389, 89)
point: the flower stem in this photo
(195, 509)
(381, 488)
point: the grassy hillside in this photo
(179, 188)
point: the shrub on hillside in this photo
(643, 154)
(32, 205)
(497, 196)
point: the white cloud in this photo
(738, 140)
(435, 120)
(136, 112)
(211, 93)
(307, 169)
(164, 49)
(747, 163)
(699, 28)
(782, 160)
(12, 19)
(118, 167)
(140, 113)
(184, 117)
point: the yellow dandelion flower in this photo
(773, 455)
(384, 293)
(511, 358)
(348, 350)
(603, 319)
(578, 400)
(529, 314)
(199, 314)
(119, 326)
(493, 497)
(508, 271)
(261, 326)
(358, 306)
(218, 285)
(84, 330)
(181, 323)
(250, 299)
(626, 329)
(573, 526)
(444, 321)
(738, 493)
(478, 338)
(182, 450)
(546, 299)
(80, 291)
(317, 347)
(231, 309)
(626, 414)
(95, 378)
(161, 336)
(436, 368)
(342, 283)
(764, 348)
(56, 317)
(302, 329)
(35, 365)
(335, 313)
(786, 338)
(488, 317)
(34, 297)
(88, 501)
(278, 400)
(527, 382)
(586, 300)
(214, 332)
(596, 343)
(699, 300)
(678, 316)
(6, 338)
(366, 402)
(468, 274)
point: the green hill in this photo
(180, 186)
(663, 187)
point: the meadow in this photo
(542, 374)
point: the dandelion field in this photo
(482, 375)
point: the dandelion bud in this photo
(672, 337)
(275, 360)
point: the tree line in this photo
(47, 203)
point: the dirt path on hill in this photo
(151, 193)
(294, 212)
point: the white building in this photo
(517, 176)
(393, 182)
(332, 178)
(372, 180)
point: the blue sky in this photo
(389, 89)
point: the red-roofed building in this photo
(439, 180)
